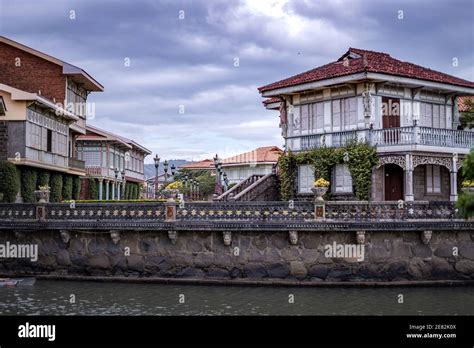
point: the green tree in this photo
(76, 187)
(67, 187)
(43, 178)
(29, 177)
(9, 181)
(93, 192)
(466, 198)
(56, 185)
(467, 117)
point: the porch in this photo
(416, 177)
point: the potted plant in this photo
(42, 194)
(320, 188)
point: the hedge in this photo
(43, 179)
(67, 187)
(56, 185)
(9, 181)
(76, 187)
(29, 177)
(93, 192)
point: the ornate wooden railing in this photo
(241, 186)
(391, 136)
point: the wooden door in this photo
(393, 182)
(391, 119)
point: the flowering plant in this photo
(468, 183)
(44, 187)
(321, 182)
(176, 185)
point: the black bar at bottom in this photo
(430, 331)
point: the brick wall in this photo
(33, 74)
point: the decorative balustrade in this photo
(255, 211)
(391, 136)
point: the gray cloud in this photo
(190, 62)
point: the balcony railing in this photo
(414, 135)
(76, 164)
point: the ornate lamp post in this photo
(218, 186)
(173, 169)
(157, 164)
(123, 183)
(165, 167)
(226, 182)
(116, 171)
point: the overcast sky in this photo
(190, 62)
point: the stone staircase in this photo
(257, 187)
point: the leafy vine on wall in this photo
(361, 159)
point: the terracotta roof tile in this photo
(369, 61)
(205, 164)
(260, 155)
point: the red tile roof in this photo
(367, 61)
(463, 105)
(272, 100)
(205, 164)
(260, 155)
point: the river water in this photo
(93, 298)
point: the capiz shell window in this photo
(305, 178)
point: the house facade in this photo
(114, 164)
(408, 112)
(256, 162)
(44, 110)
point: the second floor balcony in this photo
(391, 139)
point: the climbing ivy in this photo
(361, 159)
(287, 170)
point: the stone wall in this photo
(389, 256)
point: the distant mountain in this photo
(150, 168)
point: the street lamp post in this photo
(123, 183)
(197, 190)
(226, 182)
(157, 164)
(116, 171)
(218, 186)
(165, 167)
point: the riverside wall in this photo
(250, 255)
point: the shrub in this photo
(56, 185)
(93, 192)
(67, 187)
(76, 187)
(9, 181)
(43, 179)
(29, 177)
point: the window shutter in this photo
(442, 117)
(336, 114)
(436, 116)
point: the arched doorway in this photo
(393, 182)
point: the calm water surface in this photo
(52, 298)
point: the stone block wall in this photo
(262, 256)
